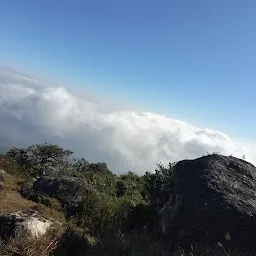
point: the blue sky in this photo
(193, 60)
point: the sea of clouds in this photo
(32, 111)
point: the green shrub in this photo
(158, 186)
(73, 242)
(101, 214)
(97, 214)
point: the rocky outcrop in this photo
(27, 223)
(214, 196)
(68, 190)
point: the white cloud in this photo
(33, 112)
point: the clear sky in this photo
(190, 59)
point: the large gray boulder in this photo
(70, 191)
(27, 223)
(213, 196)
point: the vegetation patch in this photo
(100, 213)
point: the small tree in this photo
(40, 159)
(159, 185)
(81, 165)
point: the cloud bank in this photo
(32, 111)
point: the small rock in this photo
(23, 223)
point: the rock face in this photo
(213, 196)
(69, 190)
(23, 223)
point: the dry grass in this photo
(32, 247)
(50, 213)
(13, 182)
(11, 201)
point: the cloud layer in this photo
(32, 111)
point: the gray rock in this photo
(69, 190)
(213, 196)
(23, 223)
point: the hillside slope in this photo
(100, 213)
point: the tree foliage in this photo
(40, 159)
(159, 185)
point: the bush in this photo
(96, 213)
(102, 214)
(140, 217)
(102, 182)
(73, 242)
(158, 186)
